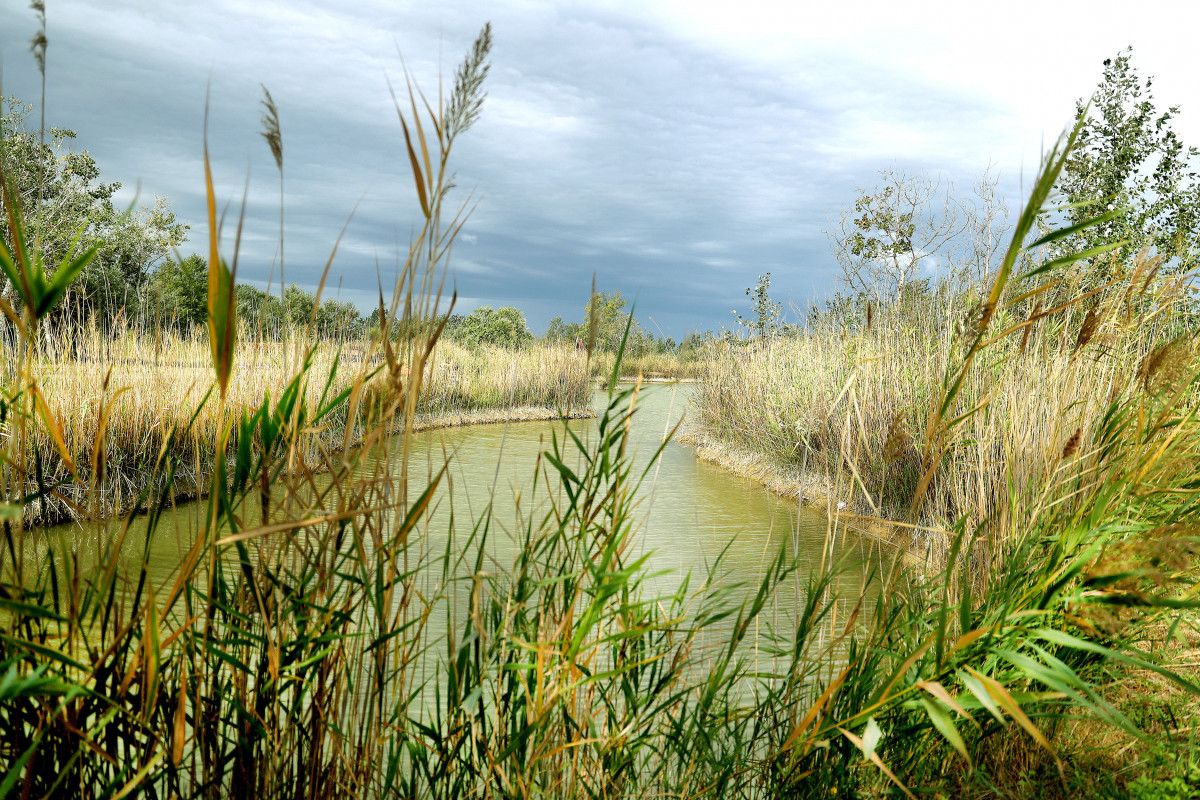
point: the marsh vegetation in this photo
(310, 642)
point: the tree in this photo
(910, 222)
(560, 331)
(502, 327)
(178, 292)
(338, 320)
(65, 208)
(1128, 160)
(297, 306)
(766, 313)
(608, 312)
(893, 230)
(257, 310)
(985, 228)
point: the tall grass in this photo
(319, 639)
(141, 385)
(674, 365)
(850, 406)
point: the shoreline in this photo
(806, 489)
(493, 416)
(55, 512)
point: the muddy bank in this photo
(496, 415)
(806, 488)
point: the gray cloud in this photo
(608, 144)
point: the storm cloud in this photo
(614, 142)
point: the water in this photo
(690, 513)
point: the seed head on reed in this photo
(468, 95)
(37, 45)
(1034, 316)
(1087, 331)
(1165, 366)
(270, 131)
(1072, 445)
(897, 439)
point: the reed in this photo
(850, 406)
(652, 366)
(322, 639)
(142, 384)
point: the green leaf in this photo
(1061, 233)
(1072, 258)
(222, 302)
(945, 725)
(63, 277)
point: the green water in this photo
(690, 513)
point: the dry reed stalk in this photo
(786, 402)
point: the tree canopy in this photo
(66, 208)
(1129, 161)
(501, 327)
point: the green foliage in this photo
(65, 209)
(893, 231)
(607, 312)
(765, 322)
(333, 319)
(560, 331)
(911, 224)
(1129, 160)
(501, 327)
(1176, 787)
(177, 293)
(260, 311)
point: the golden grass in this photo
(851, 408)
(142, 385)
(649, 366)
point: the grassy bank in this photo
(318, 640)
(846, 410)
(134, 392)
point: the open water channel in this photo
(691, 513)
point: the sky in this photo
(675, 149)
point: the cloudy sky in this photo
(675, 148)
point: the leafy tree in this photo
(66, 208)
(502, 327)
(257, 310)
(177, 292)
(1129, 161)
(893, 230)
(297, 306)
(766, 313)
(337, 319)
(610, 318)
(560, 331)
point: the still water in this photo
(690, 514)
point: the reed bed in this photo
(541, 375)
(651, 366)
(847, 408)
(141, 386)
(319, 639)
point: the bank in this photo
(122, 490)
